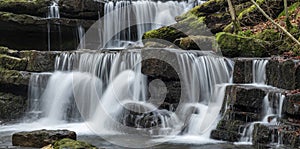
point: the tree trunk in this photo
(236, 23)
(287, 20)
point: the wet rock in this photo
(39, 61)
(82, 9)
(291, 106)
(13, 63)
(225, 135)
(26, 32)
(34, 7)
(291, 138)
(12, 107)
(231, 125)
(16, 82)
(244, 98)
(40, 138)
(283, 73)
(262, 134)
(243, 70)
(159, 63)
(69, 143)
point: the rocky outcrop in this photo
(283, 73)
(40, 138)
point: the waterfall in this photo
(259, 71)
(53, 13)
(135, 18)
(105, 84)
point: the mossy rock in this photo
(14, 77)
(30, 7)
(69, 143)
(238, 46)
(167, 33)
(12, 63)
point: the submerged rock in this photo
(40, 138)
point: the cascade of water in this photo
(37, 85)
(136, 17)
(81, 32)
(53, 13)
(259, 71)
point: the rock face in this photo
(283, 73)
(26, 24)
(15, 72)
(242, 105)
(40, 138)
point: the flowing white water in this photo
(81, 32)
(53, 13)
(259, 71)
(135, 18)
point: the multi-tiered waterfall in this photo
(108, 92)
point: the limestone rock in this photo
(225, 135)
(243, 70)
(40, 138)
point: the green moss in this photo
(250, 9)
(12, 63)
(247, 33)
(234, 45)
(166, 33)
(69, 143)
(291, 9)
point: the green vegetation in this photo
(69, 143)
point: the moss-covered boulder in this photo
(12, 107)
(41, 138)
(69, 143)
(205, 43)
(238, 46)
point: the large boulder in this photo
(40, 138)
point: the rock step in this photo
(40, 138)
(225, 135)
